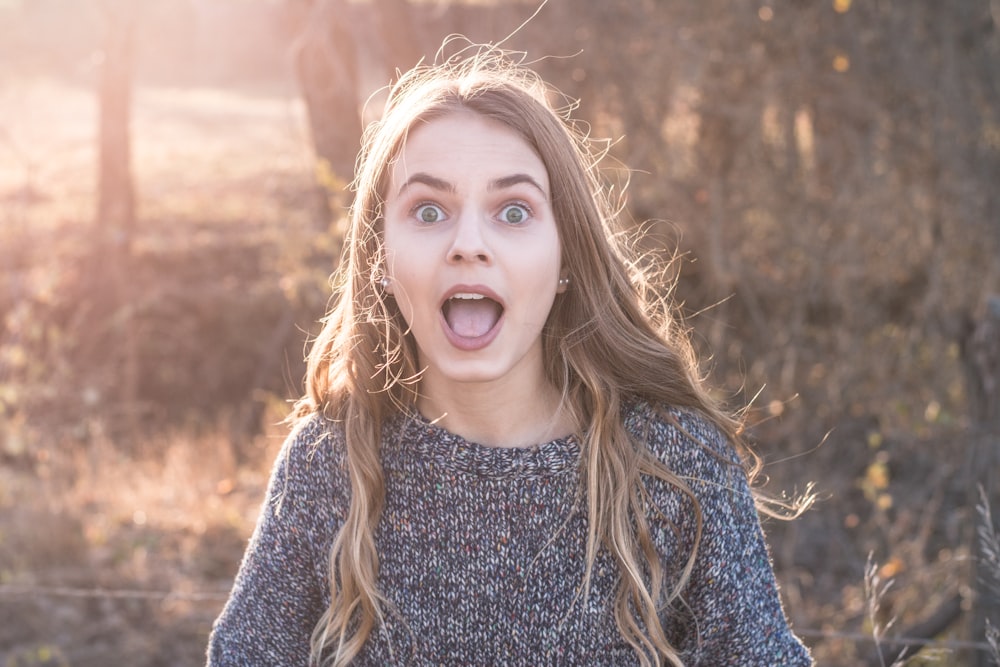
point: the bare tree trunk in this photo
(326, 64)
(116, 196)
(328, 56)
(400, 34)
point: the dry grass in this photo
(108, 557)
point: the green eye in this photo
(514, 214)
(429, 213)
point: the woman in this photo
(505, 455)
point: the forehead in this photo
(463, 145)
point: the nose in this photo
(469, 243)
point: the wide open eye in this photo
(514, 214)
(429, 213)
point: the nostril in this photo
(460, 256)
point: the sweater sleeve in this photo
(731, 599)
(279, 592)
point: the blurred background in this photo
(172, 190)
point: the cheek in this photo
(404, 287)
(546, 262)
(403, 302)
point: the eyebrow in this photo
(428, 180)
(499, 184)
(514, 179)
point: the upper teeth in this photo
(467, 295)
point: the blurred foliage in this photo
(40, 656)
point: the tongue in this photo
(472, 318)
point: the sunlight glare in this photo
(804, 138)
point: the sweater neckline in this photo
(417, 441)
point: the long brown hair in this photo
(610, 338)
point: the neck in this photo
(496, 415)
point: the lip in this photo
(465, 343)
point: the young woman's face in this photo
(472, 250)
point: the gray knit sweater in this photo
(482, 554)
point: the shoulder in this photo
(684, 440)
(313, 442)
(309, 465)
(688, 453)
(314, 438)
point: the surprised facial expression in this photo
(472, 250)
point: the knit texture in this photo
(482, 554)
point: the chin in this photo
(471, 375)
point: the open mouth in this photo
(471, 315)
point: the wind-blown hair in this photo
(609, 339)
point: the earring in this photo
(564, 282)
(384, 283)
